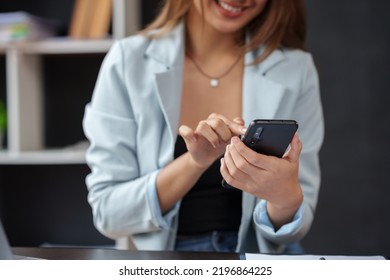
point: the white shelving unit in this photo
(24, 79)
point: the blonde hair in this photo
(282, 23)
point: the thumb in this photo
(188, 134)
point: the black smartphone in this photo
(269, 137)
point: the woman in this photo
(164, 125)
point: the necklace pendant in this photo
(214, 83)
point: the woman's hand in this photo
(267, 177)
(205, 144)
(208, 141)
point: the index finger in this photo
(236, 127)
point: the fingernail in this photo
(243, 130)
(235, 140)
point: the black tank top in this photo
(208, 206)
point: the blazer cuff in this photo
(263, 222)
(163, 221)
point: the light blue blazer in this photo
(132, 123)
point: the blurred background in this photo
(350, 43)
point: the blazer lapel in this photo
(168, 53)
(261, 95)
(169, 87)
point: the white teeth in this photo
(229, 8)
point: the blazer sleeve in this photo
(124, 201)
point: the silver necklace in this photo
(214, 81)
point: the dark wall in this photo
(350, 42)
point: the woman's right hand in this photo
(205, 144)
(208, 141)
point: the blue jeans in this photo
(215, 241)
(222, 241)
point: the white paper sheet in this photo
(250, 256)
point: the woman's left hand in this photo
(266, 177)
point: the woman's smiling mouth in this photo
(229, 7)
